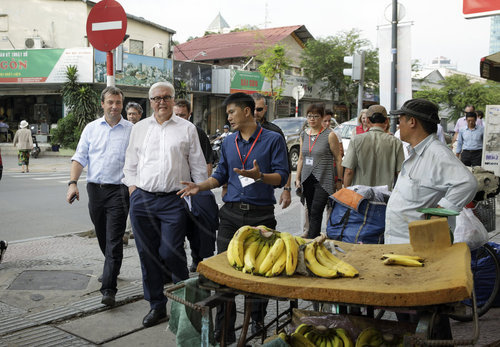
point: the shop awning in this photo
(490, 67)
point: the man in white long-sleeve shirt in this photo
(163, 151)
(431, 176)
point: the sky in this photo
(438, 26)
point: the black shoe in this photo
(230, 338)
(99, 279)
(108, 298)
(154, 317)
(257, 327)
(3, 248)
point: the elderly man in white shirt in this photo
(431, 176)
(163, 151)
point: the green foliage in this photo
(274, 64)
(80, 98)
(67, 132)
(181, 89)
(458, 92)
(323, 60)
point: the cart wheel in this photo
(486, 256)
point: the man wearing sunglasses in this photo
(260, 116)
(163, 151)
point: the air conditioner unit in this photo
(33, 42)
(234, 67)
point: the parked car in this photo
(345, 131)
(292, 127)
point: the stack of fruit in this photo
(263, 251)
(266, 252)
(307, 335)
(321, 262)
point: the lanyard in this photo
(250, 151)
(311, 148)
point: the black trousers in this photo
(316, 200)
(108, 209)
(231, 219)
(471, 158)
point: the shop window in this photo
(136, 47)
(4, 22)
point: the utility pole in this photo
(394, 67)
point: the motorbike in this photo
(216, 142)
(35, 151)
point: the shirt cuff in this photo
(445, 203)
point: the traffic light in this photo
(357, 66)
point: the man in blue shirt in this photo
(253, 162)
(470, 142)
(102, 148)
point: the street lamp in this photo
(156, 46)
(202, 53)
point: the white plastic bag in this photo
(470, 230)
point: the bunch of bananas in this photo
(373, 337)
(263, 251)
(307, 335)
(405, 260)
(321, 262)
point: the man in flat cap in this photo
(432, 176)
(374, 158)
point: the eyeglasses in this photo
(313, 116)
(158, 99)
(259, 109)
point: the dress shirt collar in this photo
(122, 121)
(254, 135)
(376, 128)
(420, 148)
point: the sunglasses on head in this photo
(259, 109)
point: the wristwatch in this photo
(260, 178)
(288, 189)
(72, 182)
(339, 180)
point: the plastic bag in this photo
(470, 230)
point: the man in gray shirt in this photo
(373, 158)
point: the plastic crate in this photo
(486, 213)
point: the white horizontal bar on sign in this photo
(107, 25)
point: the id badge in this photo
(309, 161)
(245, 181)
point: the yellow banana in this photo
(329, 341)
(345, 337)
(239, 238)
(321, 341)
(229, 253)
(250, 255)
(271, 257)
(369, 337)
(279, 264)
(299, 340)
(300, 241)
(262, 255)
(282, 335)
(337, 342)
(343, 268)
(413, 257)
(313, 265)
(402, 261)
(292, 253)
(303, 328)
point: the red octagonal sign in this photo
(106, 25)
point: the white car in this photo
(345, 131)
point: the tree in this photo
(323, 60)
(458, 92)
(274, 64)
(80, 98)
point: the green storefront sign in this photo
(246, 81)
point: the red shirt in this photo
(360, 130)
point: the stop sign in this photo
(106, 25)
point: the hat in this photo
(376, 114)
(421, 109)
(226, 126)
(23, 124)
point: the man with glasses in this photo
(102, 148)
(163, 151)
(260, 116)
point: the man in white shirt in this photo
(163, 151)
(431, 176)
